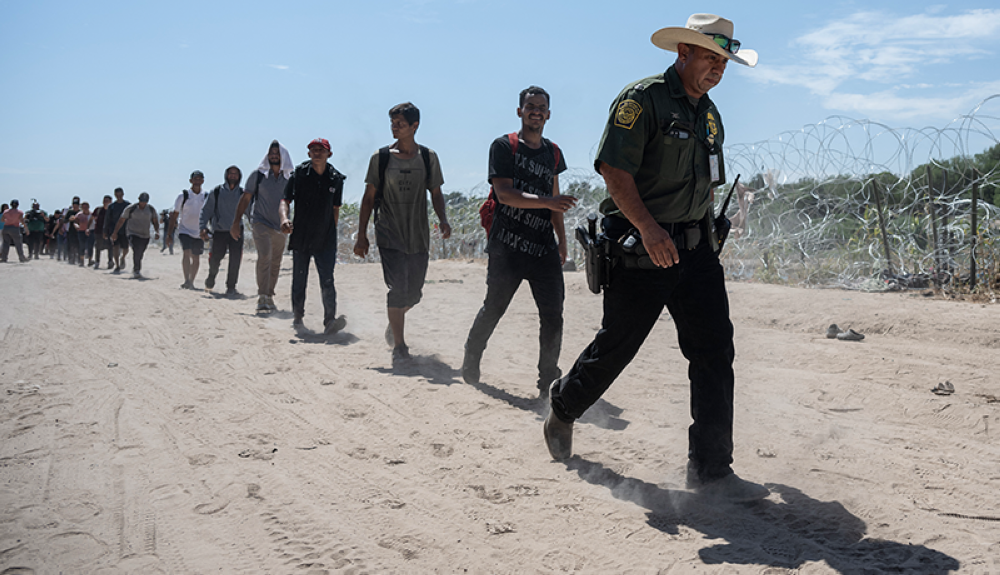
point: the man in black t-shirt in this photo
(317, 189)
(119, 247)
(522, 245)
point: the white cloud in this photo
(888, 53)
(278, 66)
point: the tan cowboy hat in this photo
(699, 31)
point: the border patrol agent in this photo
(661, 157)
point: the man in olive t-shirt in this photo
(402, 230)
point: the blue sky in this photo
(101, 94)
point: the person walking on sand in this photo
(661, 157)
(264, 189)
(527, 240)
(84, 225)
(53, 231)
(139, 217)
(185, 219)
(168, 234)
(101, 241)
(35, 221)
(399, 177)
(317, 190)
(13, 219)
(217, 217)
(119, 248)
(73, 242)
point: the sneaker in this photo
(335, 325)
(262, 303)
(117, 271)
(231, 292)
(850, 335)
(270, 303)
(400, 352)
(470, 369)
(833, 331)
(730, 488)
(558, 437)
(297, 320)
(136, 275)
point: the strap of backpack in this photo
(512, 138)
(426, 155)
(383, 163)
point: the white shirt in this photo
(187, 219)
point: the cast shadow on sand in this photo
(788, 533)
(305, 335)
(602, 414)
(428, 367)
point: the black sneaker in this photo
(335, 325)
(400, 352)
(470, 369)
(558, 437)
(730, 488)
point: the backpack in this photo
(383, 163)
(489, 207)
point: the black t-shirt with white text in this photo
(523, 230)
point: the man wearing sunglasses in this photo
(661, 158)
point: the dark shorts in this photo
(404, 274)
(122, 240)
(194, 245)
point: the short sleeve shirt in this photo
(533, 171)
(138, 220)
(402, 221)
(655, 134)
(267, 190)
(189, 214)
(316, 198)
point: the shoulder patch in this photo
(627, 113)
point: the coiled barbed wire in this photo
(809, 213)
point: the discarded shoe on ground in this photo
(850, 335)
(833, 331)
(944, 388)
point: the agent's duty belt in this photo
(620, 245)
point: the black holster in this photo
(597, 256)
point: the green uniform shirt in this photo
(655, 134)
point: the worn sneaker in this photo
(335, 325)
(231, 292)
(730, 488)
(850, 335)
(136, 275)
(558, 437)
(262, 303)
(400, 352)
(833, 331)
(270, 303)
(470, 369)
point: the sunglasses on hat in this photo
(724, 42)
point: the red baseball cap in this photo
(320, 142)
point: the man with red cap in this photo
(661, 159)
(317, 190)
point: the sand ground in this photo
(151, 430)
